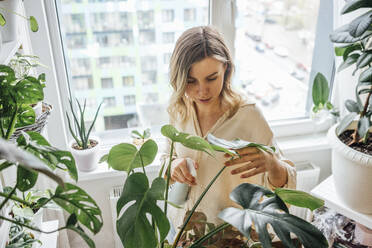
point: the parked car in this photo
(281, 51)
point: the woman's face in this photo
(205, 82)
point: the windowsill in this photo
(288, 145)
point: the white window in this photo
(167, 15)
(130, 100)
(134, 45)
(189, 15)
(128, 81)
(274, 54)
(168, 37)
(107, 83)
(109, 102)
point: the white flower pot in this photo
(86, 160)
(38, 108)
(352, 173)
(10, 30)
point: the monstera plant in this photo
(33, 155)
(142, 223)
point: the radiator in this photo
(114, 197)
(307, 179)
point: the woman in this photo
(203, 102)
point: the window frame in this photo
(48, 44)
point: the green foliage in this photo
(126, 157)
(139, 199)
(20, 237)
(262, 207)
(320, 93)
(222, 145)
(34, 155)
(82, 135)
(137, 135)
(299, 198)
(34, 26)
(133, 227)
(187, 140)
(17, 93)
(357, 35)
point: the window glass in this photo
(118, 51)
(274, 54)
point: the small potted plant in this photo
(350, 138)
(84, 149)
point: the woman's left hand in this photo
(253, 161)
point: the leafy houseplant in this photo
(32, 154)
(84, 149)
(139, 199)
(16, 95)
(351, 140)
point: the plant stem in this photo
(200, 241)
(195, 206)
(366, 104)
(8, 196)
(31, 227)
(12, 124)
(167, 185)
(10, 11)
(143, 167)
(1, 128)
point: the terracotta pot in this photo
(86, 160)
(352, 173)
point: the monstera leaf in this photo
(262, 207)
(133, 227)
(36, 144)
(76, 201)
(235, 144)
(126, 157)
(187, 140)
(14, 155)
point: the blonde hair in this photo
(192, 46)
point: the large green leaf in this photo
(366, 76)
(193, 142)
(364, 59)
(299, 198)
(7, 73)
(352, 106)
(363, 126)
(351, 48)
(355, 4)
(320, 91)
(360, 24)
(126, 157)
(262, 207)
(345, 122)
(26, 116)
(17, 156)
(36, 144)
(342, 35)
(76, 201)
(237, 144)
(2, 20)
(29, 91)
(34, 26)
(133, 227)
(82, 234)
(350, 60)
(26, 179)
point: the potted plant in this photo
(85, 149)
(140, 199)
(351, 139)
(9, 15)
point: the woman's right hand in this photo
(180, 172)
